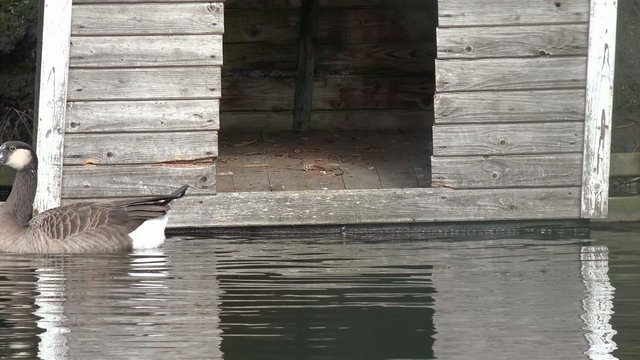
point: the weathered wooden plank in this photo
(247, 4)
(303, 95)
(507, 171)
(512, 41)
(142, 116)
(140, 148)
(329, 120)
(51, 99)
(625, 164)
(599, 105)
(374, 206)
(136, 51)
(331, 92)
(143, 18)
(144, 83)
(336, 26)
(509, 106)
(141, 1)
(136, 180)
(506, 139)
(501, 12)
(510, 74)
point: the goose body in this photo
(77, 228)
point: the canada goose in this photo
(75, 228)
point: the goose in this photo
(86, 227)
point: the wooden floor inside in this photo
(290, 161)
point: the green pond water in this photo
(330, 297)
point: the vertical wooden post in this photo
(306, 63)
(51, 100)
(599, 104)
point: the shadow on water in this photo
(331, 297)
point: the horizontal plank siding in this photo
(138, 116)
(509, 106)
(148, 19)
(512, 41)
(144, 83)
(145, 51)
(504, 12)
(375, 206)
(505, 139)
(333, 92)
(135, 180)
(139, 148)
(507, 171)
(510, 74)
(336, 120)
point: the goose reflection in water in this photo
(60, 307)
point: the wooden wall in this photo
(510, 93)
(143, 98)
(374, 66)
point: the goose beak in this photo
(3, 155)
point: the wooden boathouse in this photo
(301, 112)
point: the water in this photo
(329, 298)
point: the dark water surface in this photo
(329, 298)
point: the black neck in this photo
(20, 201)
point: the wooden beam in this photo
(306, 63)
(500, 12)
(116, 148)
(507, 139)
(512, 41)
(382, 206)
(509, 106)
(510, 74)
(599, 104)
(491, 172)
(52, 101)
(142, 116)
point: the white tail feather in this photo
(150, 234)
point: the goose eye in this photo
(12, 148)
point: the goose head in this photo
(17, 155)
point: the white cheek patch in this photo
(19, 159)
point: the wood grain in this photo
(136, 180)
(510, 74)
(501, 12)
(332, 92)
(418, 120)
(374, 206)
(51, 99)
(599, 107)
(509, 106)
(505, 139)
(247, 4)
(142, 116)
(144, 83)
(338, 26)
(148, 19)
(512, 41)
(145, 51)
(507, 171)
(303, 94)
(139, 148)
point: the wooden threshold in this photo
(379, 206)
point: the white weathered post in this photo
(52, 100)
(599, 104)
